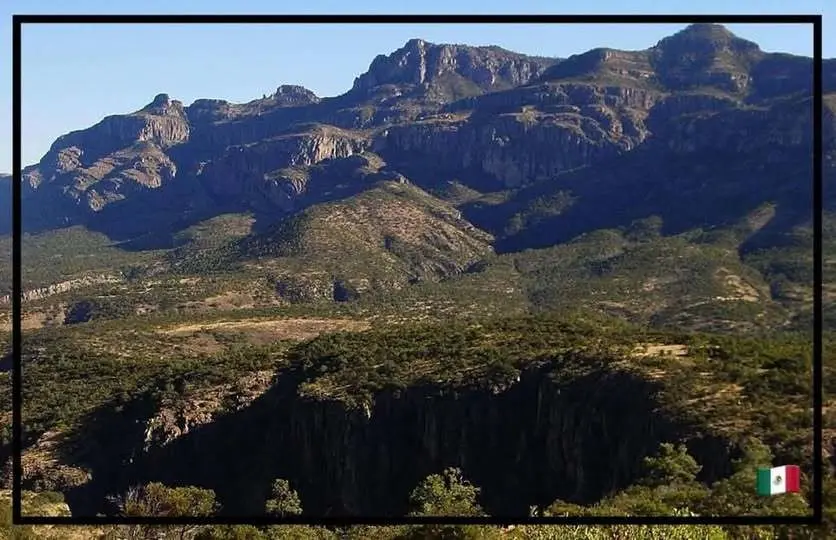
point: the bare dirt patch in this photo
(36, 319)
(260, 330)
(33, 321)
(658, 349)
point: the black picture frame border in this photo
(17, 26)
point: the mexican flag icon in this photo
(778, 480)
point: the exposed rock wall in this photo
(422, 63)
(63, 286)
(244, 171)
(512, 151)
(530, 443)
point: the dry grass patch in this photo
(36, 318)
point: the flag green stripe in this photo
(764, 481)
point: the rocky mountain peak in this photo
(294, 95)
(706, 39)
(415, 44)
(161, 100)
(406, 65)
(474, 70)
(163, 105)
(705, 55)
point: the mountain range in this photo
(440, 155)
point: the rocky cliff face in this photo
(525, 443)
(262, 168)
(162, 123)
(63, 286)
(122, 155)
(205, 111)
(613, 64)
(419, 65)
(563, 128)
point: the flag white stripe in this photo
(778, 480)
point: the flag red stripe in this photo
(793, 479)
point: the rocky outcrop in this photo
(120, 155)
(420, 65)
(244, 171)
(207, 111)
(63, 286)
(289, 95)
(518, 149)
(162, 123)
(43, 469)
(176, 417)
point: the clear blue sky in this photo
(73, 75)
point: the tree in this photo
(284, 500)
(669, 486)
(446, 494)
(672, 465)
(158, 500)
